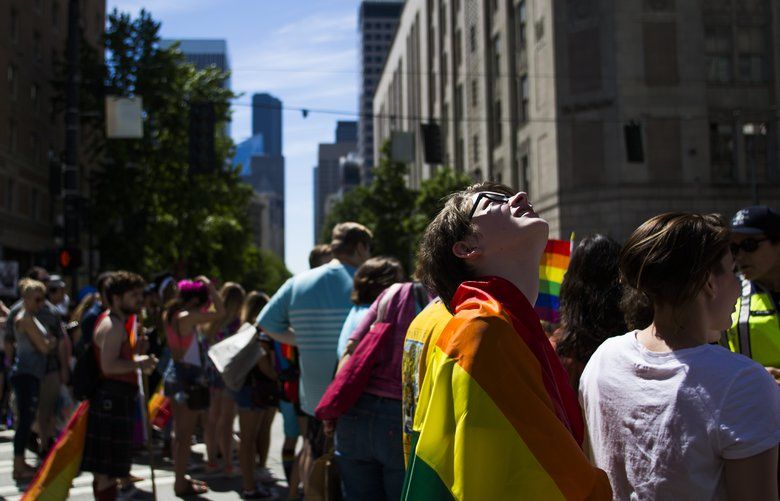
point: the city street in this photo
(221, 488)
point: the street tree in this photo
(149, 211)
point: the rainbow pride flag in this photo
(62, 464)
(555, 262)
(499, 419)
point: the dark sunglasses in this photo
(747, 245)
(493, 197)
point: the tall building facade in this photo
(33, 39)
(202, 53)
(605, 112)
(267, 121)
(335, 172)
(377, 23)
(263, 167)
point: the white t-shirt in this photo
(661, 424)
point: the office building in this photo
(263, 167)
(605, 112)
(33, 39)
(376, 23)
(334, 173)
(202, 53)
(267, 122)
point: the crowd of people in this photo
(660, 382)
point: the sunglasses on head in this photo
(490, 195)
(747, 245)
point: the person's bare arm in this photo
(38, 337)
(752, 478)
(287, 337)
(110, 336)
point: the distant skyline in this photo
(305, 53)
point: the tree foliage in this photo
(395, 213)
(148, 211)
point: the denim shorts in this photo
(180, 376)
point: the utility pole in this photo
(71, 198)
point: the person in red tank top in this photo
(108, 444)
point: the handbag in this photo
(235, 356)
(353, 374)
(324, 479)
(265, 391)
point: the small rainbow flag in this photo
(555, 262)
(53, 480)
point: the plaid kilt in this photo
(108, 447)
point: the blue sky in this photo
(305, 52)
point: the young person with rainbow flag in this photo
(497, 416)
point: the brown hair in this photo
(374, 276)
(232, 295)
(437, 266)
(347, 236)
(670, 257)
(319, 255)
(121, 282)
(253, 305)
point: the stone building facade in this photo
(605, 112)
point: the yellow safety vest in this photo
(755, 331)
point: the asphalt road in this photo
(222, 488)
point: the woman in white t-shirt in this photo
(670, 415)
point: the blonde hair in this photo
(29, 285)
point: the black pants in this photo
(26, 387)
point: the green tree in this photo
(396, 214)
(149, 212)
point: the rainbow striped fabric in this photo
(53, 480)
(499, 419)
(555, 262)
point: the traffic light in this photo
(431, 134)
(69, 258)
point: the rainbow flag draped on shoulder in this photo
(499, 419)
(555, 262)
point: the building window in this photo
(524, 99)
(525, 174)
(10, 187)
(475, 149)
(632, 134)
(456, 5)
(37, 47)
(444, 69)
(13, 82)
(496, 57)
(443, 19)
(718, 49)
(722, 151)
(521, 20)
(752, 50)
(12, 135)
(13, 29)
(497, 123)
(458, 44)
(474, 93)
(473, 38)
(34, 97)
(34, 205)
(35, 153)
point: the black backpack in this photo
(86, 374)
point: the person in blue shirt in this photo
(308, 311)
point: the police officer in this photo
(755, 244)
